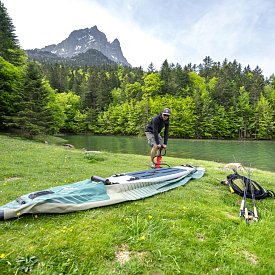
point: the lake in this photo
(257, 154)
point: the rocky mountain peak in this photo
(115, 42)
(80, 41)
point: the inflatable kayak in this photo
(97, 191)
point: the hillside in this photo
(89, 58)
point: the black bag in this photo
(237, 184)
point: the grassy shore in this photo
(193, 229)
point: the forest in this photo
(212, 100)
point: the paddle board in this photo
(97, 191)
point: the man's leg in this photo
(153, 152)
(153, 145)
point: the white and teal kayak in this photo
(97, 191)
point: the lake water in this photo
(258, 154)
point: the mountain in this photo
(80, 42)
(90, 58)
(43, 55)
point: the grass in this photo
(194, 229)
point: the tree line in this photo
(209, 100)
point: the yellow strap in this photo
(231, 189)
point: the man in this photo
(152, 132)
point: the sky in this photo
(181, 31)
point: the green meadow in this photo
(193, 229)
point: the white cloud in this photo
(40, 23)
(180, 31)
(49, 22)
(228, 31)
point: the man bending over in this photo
(152, 132)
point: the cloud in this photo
(180, 31)
(49, 22)
(234, 30)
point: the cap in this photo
(166, 111)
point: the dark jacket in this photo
(156, 125)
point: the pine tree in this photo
(10, 86)
(264, 121)
(34, 117)
(165, 74)
(9, 45)
(151, 68)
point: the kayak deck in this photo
(151, 176)
(148, 174)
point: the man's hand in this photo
(159, 145)
(164, 146)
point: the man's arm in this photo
(166, 131)
(155, 129)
